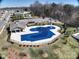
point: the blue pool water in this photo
(43, 33)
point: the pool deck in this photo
(16, 37)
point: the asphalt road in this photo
(5, 18)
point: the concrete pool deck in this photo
(16, 37)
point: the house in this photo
(25, 14)
(17, 26)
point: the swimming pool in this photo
(43, 33)
(36, 35)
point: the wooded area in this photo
(67, 13)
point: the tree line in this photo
(66, 13)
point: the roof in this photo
(26, 12)
(17, 24)
(22, 23)
(22, 12)
(40, 20)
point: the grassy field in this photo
(66, 47)
(63, 48)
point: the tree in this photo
(75, 22)
(47, 10)
(68, 9)
(37, 8)
(53, 5)
(54, 9)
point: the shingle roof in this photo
(19, 24)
